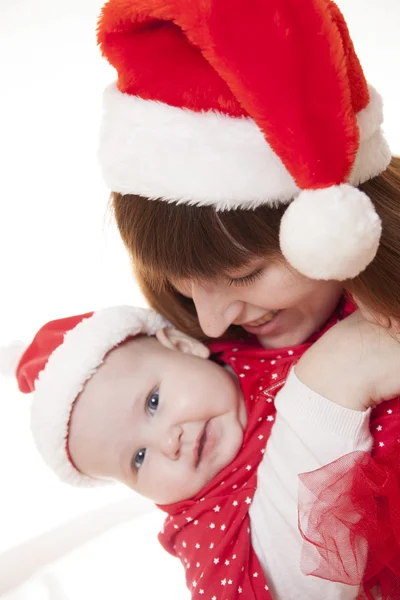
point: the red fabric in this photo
(47, 339)
(349, 510)
(186, 54)
(211, 532)
(349, 513)
(358, 89)
(156, 61)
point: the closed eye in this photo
(246, 279)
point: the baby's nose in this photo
(171, 442)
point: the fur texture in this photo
(288, 65)
(330, 234)
(67, 369)
(239, 103)
(10, 356)
(209, 158)
(159, 151)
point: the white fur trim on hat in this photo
(331, 233)
(10, 356)
(208, 158)
(66, 372)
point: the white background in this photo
(59, 250)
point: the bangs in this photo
(172, 242)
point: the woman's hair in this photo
(168, 242)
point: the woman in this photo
(252, 185)
(183, 130)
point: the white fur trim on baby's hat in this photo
(66, 372)
(331, 233)
(10, 356)
(208, 158)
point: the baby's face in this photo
(162, 421)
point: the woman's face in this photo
(268, 299)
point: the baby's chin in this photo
(195, 491)
(175, 498)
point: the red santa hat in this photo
(62, 357)
(239, 104)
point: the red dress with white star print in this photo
(211, 532)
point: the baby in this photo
(164, 423)
(120, 395)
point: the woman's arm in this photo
(355, 364)
(323, 421)
(309, 432)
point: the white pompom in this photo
(10, 356)
(331, 233)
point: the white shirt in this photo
(309, 432)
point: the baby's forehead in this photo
(134, 352)
(134, 346)
(124, 372)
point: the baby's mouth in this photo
(198, 450)
(262, 320)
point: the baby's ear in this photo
(176, 340)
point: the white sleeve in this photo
(309, 432)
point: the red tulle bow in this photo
(349, 517)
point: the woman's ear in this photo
(176, 340)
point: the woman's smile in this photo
(265, 318)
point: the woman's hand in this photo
(355, 364)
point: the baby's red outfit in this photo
(211, 532)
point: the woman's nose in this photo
(170, 442)
(216, 310)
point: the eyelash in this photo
(247, 279)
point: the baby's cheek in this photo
(174, 482)
(189, 482)
(233, 438)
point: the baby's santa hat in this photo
(62, 357)
(240, 104)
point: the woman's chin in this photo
(286, 339)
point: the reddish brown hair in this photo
(169, 242)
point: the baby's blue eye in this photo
(151, 407)
(139, 458)
(152, 402)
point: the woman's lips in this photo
(262, 320)
(267, 324)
